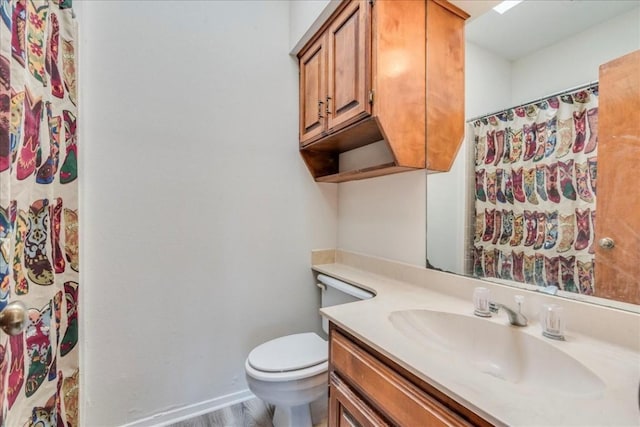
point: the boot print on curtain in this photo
(518, 230)
(39, 349)
(518, 266)
(39, 242)
(514, 136)
(566, 179)
(48, 170)
(27, 157)
(535, 192)
(551, 176)
(540, 182)
(565, 131)
(36, 259)
(518, 189)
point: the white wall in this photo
(384, 216)
(575, 60)
(493, 84)
(198, 214)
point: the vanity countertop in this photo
(501, 402)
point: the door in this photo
(313, 92)
(349, 68)
(617, 270)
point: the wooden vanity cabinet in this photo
(368, 389)
(383, 70)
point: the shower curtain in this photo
(535, 192)
(39, 211)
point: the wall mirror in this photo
(529, 62)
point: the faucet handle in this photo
(519, 301)
(481, 302)
(552, 321)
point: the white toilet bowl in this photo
(289, 372)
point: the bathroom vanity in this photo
(367, 389)
(416, 355)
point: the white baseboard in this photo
(186, 412)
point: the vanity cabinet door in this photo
(348, 65)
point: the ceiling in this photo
(535, 24)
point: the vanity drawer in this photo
(347, 409)
(396, 398)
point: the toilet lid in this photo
(289, 353)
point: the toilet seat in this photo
(288, 358)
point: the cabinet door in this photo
(346, 409)
(395, 397)
(618, 201)
(349, 67)
(313, 91)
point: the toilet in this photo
(290, 372)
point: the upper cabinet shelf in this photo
(383, 70)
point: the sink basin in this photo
(499, 350)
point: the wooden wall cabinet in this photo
(383, 70)
(335, 75)
(367, 389)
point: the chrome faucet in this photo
(516, 318)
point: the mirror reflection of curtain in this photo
(535, 191)
(39, 253)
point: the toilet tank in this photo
(336, 292)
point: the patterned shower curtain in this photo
(39, 211)
(535, 190)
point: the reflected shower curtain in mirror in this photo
(535, 190)
(39, 212)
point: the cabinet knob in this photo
(606, 243)
(328, 110)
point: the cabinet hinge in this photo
(371, 97)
